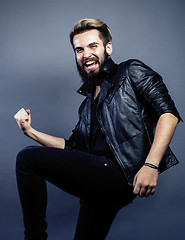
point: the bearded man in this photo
(117, 148)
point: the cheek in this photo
(101, 58)
(78, 59)
(100, 54)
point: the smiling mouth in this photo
(90, 65)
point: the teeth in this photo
(89, 63)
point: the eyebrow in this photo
(93, 43)
(89, 45)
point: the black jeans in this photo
(96, 180)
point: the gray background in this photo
(37, 71)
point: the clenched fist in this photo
(23, 118)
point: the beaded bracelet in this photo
(151, 166)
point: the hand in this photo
(145, 181)
(23, 118)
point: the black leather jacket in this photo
(131, 99)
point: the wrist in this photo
(151, 165)
(154, 160)
(29, 132)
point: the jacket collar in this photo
(108, 69)
(108, 66)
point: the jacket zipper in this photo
(108, 142)
(148, 135)
(110, 145)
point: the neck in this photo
(97, 91)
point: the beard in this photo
(93, 79)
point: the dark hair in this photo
(86, 24)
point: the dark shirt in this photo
(98, 143)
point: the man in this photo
(113, 154)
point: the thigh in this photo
(81, 174)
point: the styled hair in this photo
(86, 24)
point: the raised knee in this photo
(23, 158)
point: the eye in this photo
(94, 46)
(79, 50)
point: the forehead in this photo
(85, 38)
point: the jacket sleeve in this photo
(72, 142)
(150, 87)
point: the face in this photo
(90, 52)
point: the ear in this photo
(109, 48)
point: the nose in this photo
(87, 53)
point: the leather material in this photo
(131, 100)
